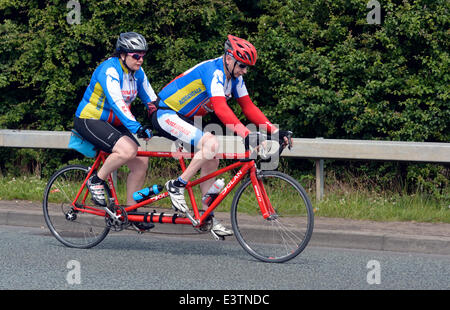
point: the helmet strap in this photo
(226, 67)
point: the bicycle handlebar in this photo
(277, 138)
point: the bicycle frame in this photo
(246, 166)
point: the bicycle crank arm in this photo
(193, 221)
(217, 237)
(115, 218)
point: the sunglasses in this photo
(241, 65)
(137, 56)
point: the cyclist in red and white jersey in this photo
(206, 88)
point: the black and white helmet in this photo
(129, 42)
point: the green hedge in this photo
(322, 69)
(349, 79)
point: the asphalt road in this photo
(30, 258)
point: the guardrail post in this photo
(319, 179)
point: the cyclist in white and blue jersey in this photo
(103, 116)
(206, 88)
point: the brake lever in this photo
(289, 143)
(289, 136)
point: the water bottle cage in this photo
(209, 198)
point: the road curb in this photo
(381, 242)
(321, 237)
(27, 219)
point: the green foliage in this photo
(47, 63)
(325, 72)
(322, 69)
(350, 79)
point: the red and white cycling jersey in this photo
(202, 89)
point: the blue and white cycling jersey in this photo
(110, 92)
(189, 93)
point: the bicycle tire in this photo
(72, 228)
(282, 237)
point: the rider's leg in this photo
(123, 151)
(208, 167)
(135, 181)
(136, 178)
(204, 159)
(208, 147)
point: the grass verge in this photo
(340, 201)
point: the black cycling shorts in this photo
(100, 133)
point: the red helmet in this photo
(242, 50)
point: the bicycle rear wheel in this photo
(73, 228)
(283, 235)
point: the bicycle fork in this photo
(268, 212)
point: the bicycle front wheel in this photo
(284, 234)
(74, 227)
